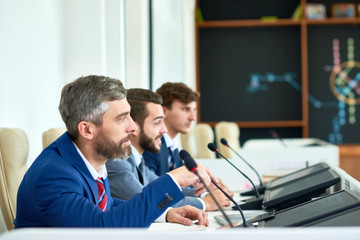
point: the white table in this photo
(270, 157)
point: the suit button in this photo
(165, 202)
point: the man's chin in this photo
(184, 131)
(125, 154)
(152, 149)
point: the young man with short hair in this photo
(180, 107)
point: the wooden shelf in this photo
(349, 153)
(276, 22)
(248, 23)
(332, 21)
(350, 159)
(266, 124)
(303, 25)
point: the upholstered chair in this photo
(14, 151)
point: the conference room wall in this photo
(173, 42)
(48, 43)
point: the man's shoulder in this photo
(150, 155)
(120, 164)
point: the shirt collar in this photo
(169, 142)
(136, 155)
(101, 173)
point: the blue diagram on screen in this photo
(344, 83)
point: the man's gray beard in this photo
(127, 154)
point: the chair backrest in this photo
(204, 135)
(231, 132)
(188, 142)
(14, 151)
(51, 135)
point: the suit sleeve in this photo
(189, 191)
(192, 201)
(67, 203)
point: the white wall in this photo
(173, 42)
(82, 38)
(47, 43)
(137, 43)
(31, 66)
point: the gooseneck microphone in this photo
(274, 134)
(261, 188)
(192, 167)
(245, 223)
(224, 142)
(251, 203)
(213, 148)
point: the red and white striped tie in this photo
(102, 195)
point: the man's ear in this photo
(165, 111)
(86, 129)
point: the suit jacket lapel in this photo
(164, 156)
(138, 171)
(69, 153)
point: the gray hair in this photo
(86, 99)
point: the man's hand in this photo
(185, 178)
(212, 187)
(186, 215)
(219, 196)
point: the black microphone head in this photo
(212, 147)
(188, 160)
(183, 154)
(224, 142)
(273, 133)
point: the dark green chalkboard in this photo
(228, 58)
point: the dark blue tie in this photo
(173, 157)
(139, 170)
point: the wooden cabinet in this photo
(350, 159)
(234, 46)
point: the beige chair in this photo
(14, 151)
(204, 135)
(197, 139)
(188, 143)
(51, 135)
(231, 132)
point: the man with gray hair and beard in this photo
(67, 184)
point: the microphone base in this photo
(251, 192)
(226, 227)
(251, 204)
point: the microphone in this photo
(192, 167)
(245, 223)
(260, 188)
(251, 203)
(274, 134)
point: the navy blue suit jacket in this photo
(59, 191)
(158, 163)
